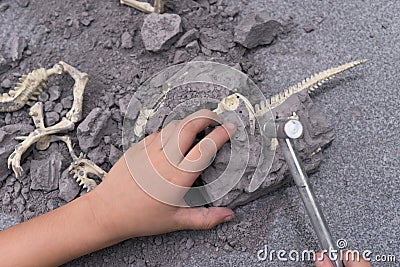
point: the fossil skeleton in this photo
(31, 85)
(145, 7)
(232, 102)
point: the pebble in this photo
(67, 102)
(51, 118)
(126, 40)
(189, 243)
(58, 108)
(6, 83)
(43, 97)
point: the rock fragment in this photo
(45, 173)
(187, 37)
(52, 118)
(6, 83)
(126, 40)
(160, 31)
(54, 92)
(216, 39)
(91, 130)
(18, 45)
(181, 56)
(68, 187)
(193, 47)
(97, 155)
(115, 154)
(256, 29)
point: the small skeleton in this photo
(231, 102)
(145, 7)
(42, 136)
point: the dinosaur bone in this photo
(42, 136)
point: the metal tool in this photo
(286, 131)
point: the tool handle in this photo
(310, 203)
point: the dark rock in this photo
(43, 97)
(115, 154)
(23, 3)
(18, 45)
(216, 39)
(54, 92)
(193, 47)
(68, 187)
(51, 118)
(187, 37)
(58, 108)
(256, 29)
(48, 106)
(97, 155)
(67, 102)
(8, 143)
(160, 31)
(126, 40)
(45, 174)
(181, 56)
(91, 130)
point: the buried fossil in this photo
(24, 94)
(292, 102)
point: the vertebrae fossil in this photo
(232, 102)
(29, 86)
(310, 84)
(26, 90)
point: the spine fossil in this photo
(26, 90)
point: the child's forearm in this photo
(54, 238)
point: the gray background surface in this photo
(358, 182)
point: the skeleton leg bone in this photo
(80, 78)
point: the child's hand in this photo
(127, 211)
